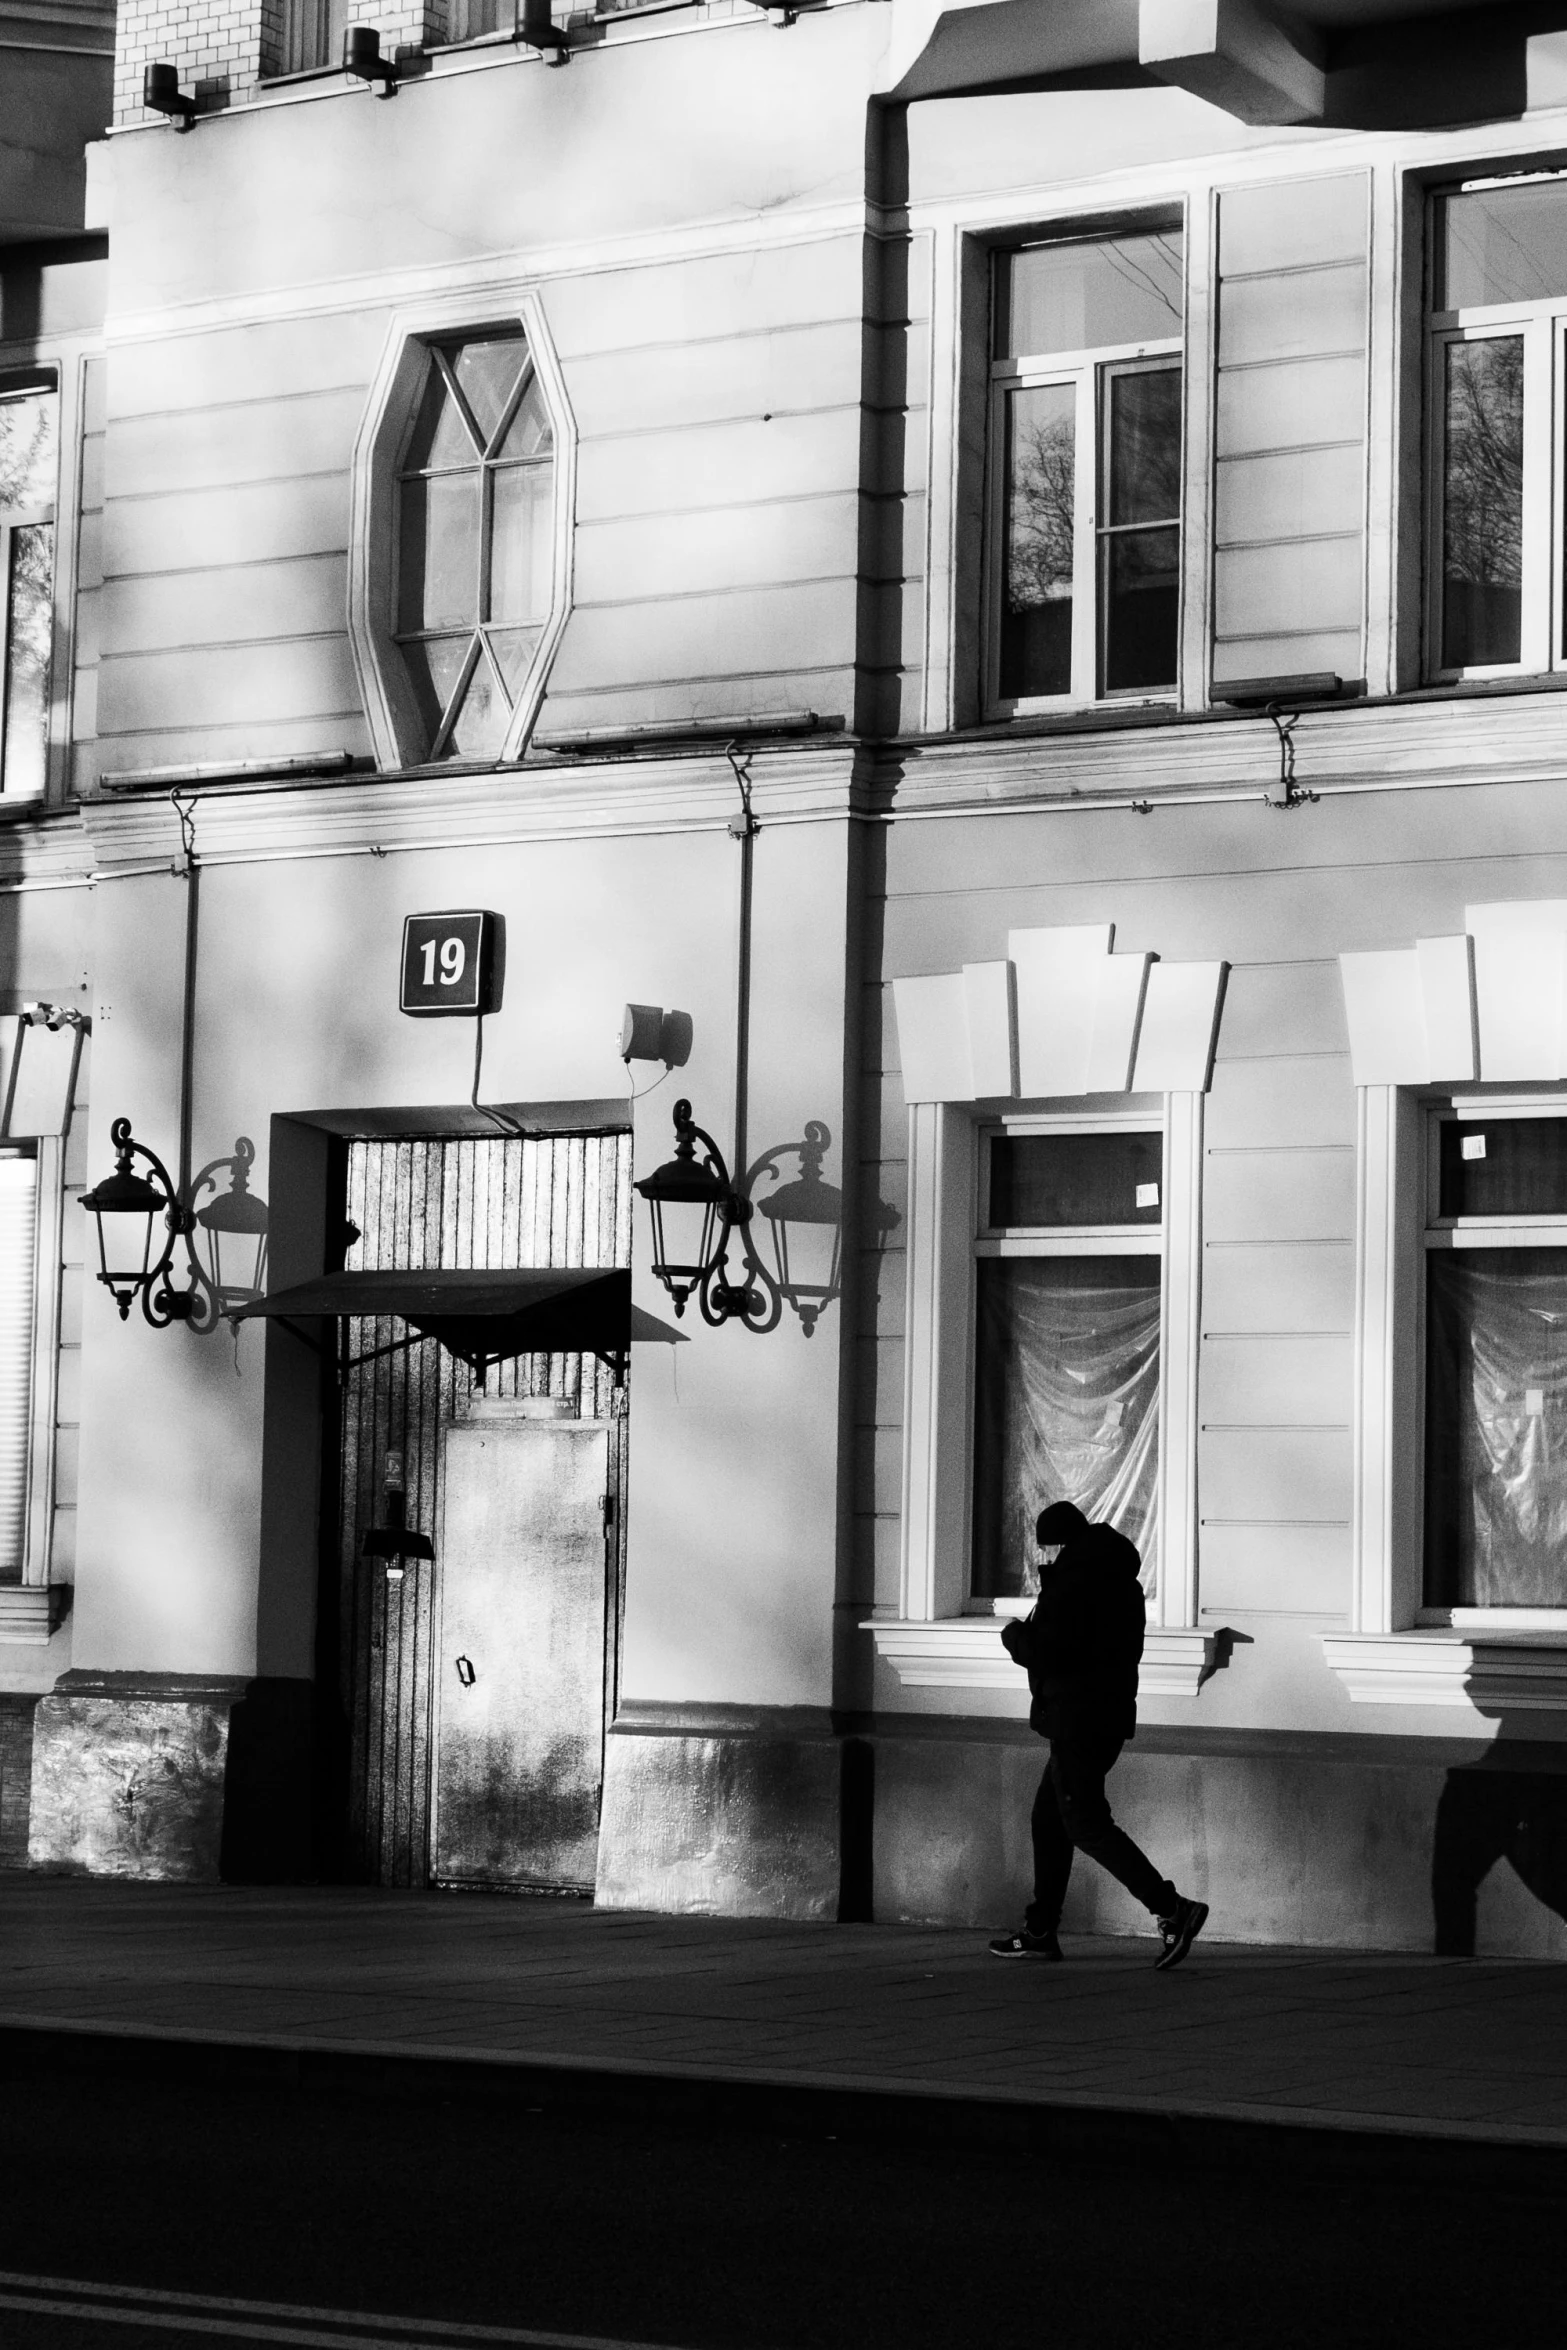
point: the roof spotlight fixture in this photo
(161, 94)
(362, 58)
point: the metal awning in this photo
(483, 1316)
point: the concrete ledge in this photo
(965, 1652)
(1439, 1667)
(737, 1823)
(30, 1612)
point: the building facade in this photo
(1001, 567)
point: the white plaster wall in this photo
(733, 1511)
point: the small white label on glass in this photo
(1534, 1403)
(1472, 1146)
(1113, 1410)
(1148, 1195)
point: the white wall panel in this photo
(1278, 1286)
(933, 1039)
(1279, 1195)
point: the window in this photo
(312, 35)
(475, 541)
(1085, 442)
(29, 468)
(1067, 1324)
(471, 20)
(1495, 376)
(1496, 1362)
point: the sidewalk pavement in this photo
(1410, 2047)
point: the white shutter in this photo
(18, 1227)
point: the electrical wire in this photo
(501, 1118)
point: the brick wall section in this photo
(16, 1778)
(223, 48)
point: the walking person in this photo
(1081, 1648)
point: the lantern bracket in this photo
(237, 1213)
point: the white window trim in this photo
(1398, 1652)
(933, 1641)
(397, 730)
(31, 1608)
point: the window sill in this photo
(965, 1652)
(1524, 1671)
(30, 1612)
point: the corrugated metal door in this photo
(561, 1199)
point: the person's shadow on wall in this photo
(1486, 1814)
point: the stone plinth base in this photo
(1339, 1842)
(722, 1811)
(170, 1777)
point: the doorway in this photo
(524, 1448)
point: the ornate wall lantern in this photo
(695, 1209)
(127, 1208)
(225, 1242)
(805, 1217)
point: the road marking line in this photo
(271, 2321)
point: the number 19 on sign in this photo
(449, 965)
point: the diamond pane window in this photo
(475, 540)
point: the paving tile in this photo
(1385, 2036)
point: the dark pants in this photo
(1070, 1814)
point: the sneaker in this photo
(1180, 1930)
(1025, 1945)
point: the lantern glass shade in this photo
(691, 1211)
(805, 1219)
(125, 1207)
(233, 1244)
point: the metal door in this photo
(520, 1689)
(562, 1199)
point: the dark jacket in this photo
(1082, 1644)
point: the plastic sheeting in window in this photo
(1496, 1428)
(1066, 1406)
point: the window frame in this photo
(1542, 327)
(1442, 1233)
(1394, 1158)
(946, 1208)
(397, 728)
(1029, 1242)
(1089, 371)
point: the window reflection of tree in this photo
(26, 452)
(1039, 552)
(1483, 489)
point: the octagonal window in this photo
(475, 535)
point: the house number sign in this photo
(449, 965)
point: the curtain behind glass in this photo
(1496, 1428)
(1065, 1408)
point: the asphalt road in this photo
(366, 2219)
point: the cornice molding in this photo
(554, 800)
(1353, 747)
(45, 849)
(498, 278)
